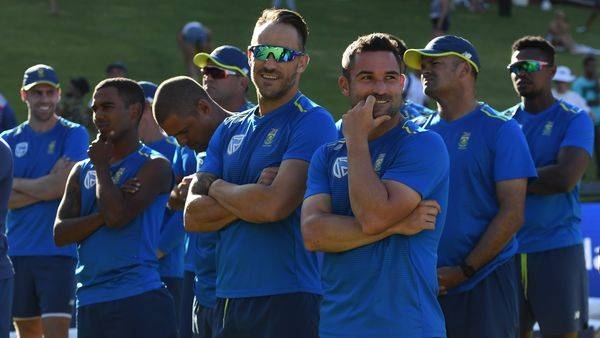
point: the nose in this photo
(270, 61)
(379, 87)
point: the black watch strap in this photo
(467, 270)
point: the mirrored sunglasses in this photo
(217, 73)
(279, 53)
(527, 66)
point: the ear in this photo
(303, 63)
(136, 110)
(344, 85)
(402, 80)
(23, 95)
(244, 82)
(203, 107)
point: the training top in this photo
(119, 263)
(6, 176)
(29, 229)
(388, 288)
(552, 221)
(266, 259)
(485, 148)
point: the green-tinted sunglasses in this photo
(280, 54)
(527, 66)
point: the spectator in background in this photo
(439, 13)
(116, 69)
(7, 115)
(193, 38)
(559, 34)
(290, 4)
(225, 77)
(71, 105)
(588, 86)
(562, 88)
(591, 18)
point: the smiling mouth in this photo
(267, 76)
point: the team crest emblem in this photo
(21, 149)
(235, 143)
(463, 142)
(548, 128)
(379, 162)
(117, 176)
(90, 179)
(340, 167)
(51, 147)
(270, 137)
(40, 72)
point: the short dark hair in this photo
(374, 42)
(81, 84)
(287, 17)
(536, 42)
(588, 58)
(177, 95)
(129, 91)
(116, 65)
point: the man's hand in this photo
(422, 218)
(449, 277)
(358, 122)
(267, 176)
(131, 186)
(179, 194)
(100, 151)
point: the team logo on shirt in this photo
(90, 179)
(378, 162)
(463, 142)
(340, 167)
(235, 143)
(51, 147)
(21, 149)
(117, 176)
(270, 137)
(548, 128)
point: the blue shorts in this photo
(147, 315)
(203, 321)
(175, 287)
(292, 315)
(187, 305)
(488, 310)
(44, 286)
(553, 290)
(6, 293)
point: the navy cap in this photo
(39, 74)
(149, 90)
(444, 46)
(226, 57)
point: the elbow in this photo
(274, 212)
(310, 235)
(371, 225)
(59, 236)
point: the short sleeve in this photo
(422, 163)
(213, 162)
(317, 182)
(512, 158)
(76, 144)
(313, 129)
(580, 133)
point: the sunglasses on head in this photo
(217, 73)
(527, 66)
(280, 54)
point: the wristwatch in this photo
(467, 270)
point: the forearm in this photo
(335, 233)
(19, 200)
(254, 203)
(47, 188)
(552, 179)
(111, 202)
(498, 233)
(203, 213)
(75, 230)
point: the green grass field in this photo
(88, 35)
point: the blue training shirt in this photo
(266, 259)
(552, 221)
(172, 233)
(6, 177)
(485, 147)
(388, 288)
(119, 263)
(29, 229)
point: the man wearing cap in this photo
(562, 88)
(489, 167)
(267, 283)
(44, 147)
(225, 77)
(551, 261)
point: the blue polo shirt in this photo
(552, 221)
(485, 148)
(29, 229)
(119, 263)
(266, 259)
(388, 288)
(6, 176)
